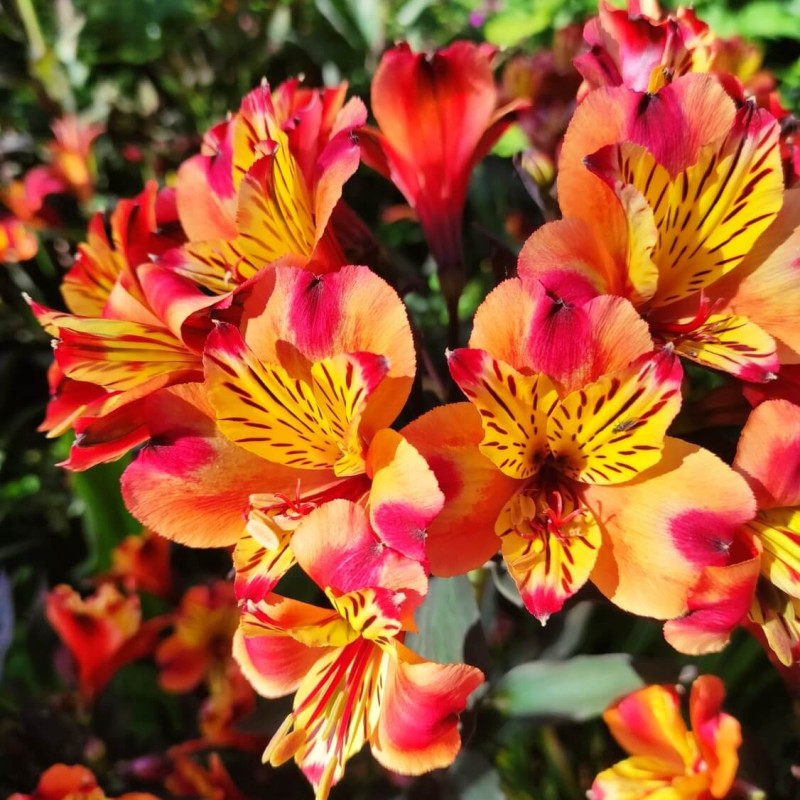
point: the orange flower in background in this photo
(354, 680)
(438, 115)
(666, 758)
(62, 782)
(103, 632)
(294, 415)
(558, 457)
(695, 230)
(191, 779)
(71, 153)
(141, 562)
(17, 242)
(200, 646)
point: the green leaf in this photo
(511, 27)
(475, 778)
(106, 521)
(444, 620)
(577, 690)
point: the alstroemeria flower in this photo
(278, 167)
(768, 457)
(141, 562)
(643, 48)
(17, 242)
(438, 115)
(558, 457)
(131, 333)
(354, 680)
(103, 632)
(687, 228)
(71, 153)
(302, 402)
(666, 758)
(62, 782)
(26, 211)
(189, 778)
(200, 646)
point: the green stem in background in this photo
(558, 759)
(37, 48)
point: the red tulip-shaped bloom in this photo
(438, 116)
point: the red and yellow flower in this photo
(103, 632)
(200, 646)
(354, 680)
(768, 457)
(265, 187)
(438, 115)
(666, 758)
(558, 456)
(141, 562)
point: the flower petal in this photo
(418, 727)
(404, 497)
(700, 504)
(613, 429)
(461, 537)
(513, 409)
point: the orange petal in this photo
(648, 722)
(418, 727)
(768, 455)
(337, 549)
(191, 484)
(718, 734)
(461, 537)
(679, 533)
(404, 497)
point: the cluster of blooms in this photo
(105, 631)
(23, 202)
(223, 329)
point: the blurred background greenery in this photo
(157, 73)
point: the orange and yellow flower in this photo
(200, 646)
(354, 680)
(295, 414)
(693, 230)
(265, 188)
(558, 456)
(666, 758)
(141, 563)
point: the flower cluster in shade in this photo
(223, 330)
